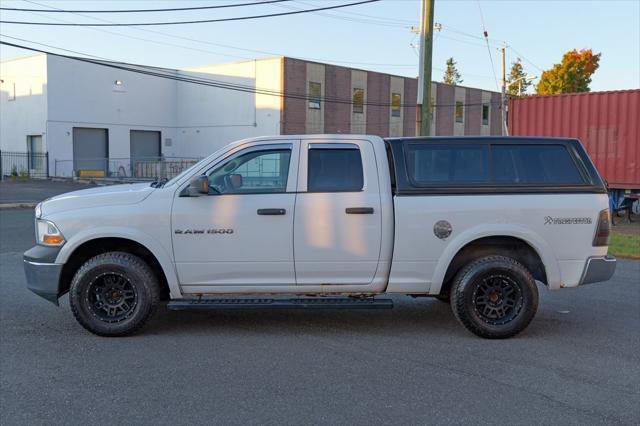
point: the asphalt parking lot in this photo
(577, 363)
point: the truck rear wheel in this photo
(494, 297)
(114, 294)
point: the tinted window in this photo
(453, 163)
(255, 171)
(531, 164)
(334, 170)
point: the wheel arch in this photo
(521, 245)
(72, 257)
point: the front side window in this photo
(459, 112)
(315, 95)
(264, 171)
(358, 101)
(534, 164)
(334, 170)
(396, 104)
(429, 164)
(485, 115)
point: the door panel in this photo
(238, 245)
(242, 233)
(337, 230)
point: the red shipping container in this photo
(607, 123)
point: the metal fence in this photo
(24, 165)
(123, 168)
(30, 165)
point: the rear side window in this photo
(429, 164)
(534, 164)
(334, 170)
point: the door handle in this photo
(359, 210)
(272, 212)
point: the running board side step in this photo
(278, 303)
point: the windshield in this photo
(199, 164)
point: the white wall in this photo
(55, 94)
(210, 117)
(23, 102)
(85, 95)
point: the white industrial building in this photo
(81, 112)
(97, 120)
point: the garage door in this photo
(90, 151)
(145, 145)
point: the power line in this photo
(163, 43)
(154, 71)
(173, 9)
(238, 18)
(382, 18)
(525, 58)
(486, 38)
(377, 22)
(205, 42)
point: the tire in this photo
(494, 297)
(114, 294)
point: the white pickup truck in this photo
(333, 221)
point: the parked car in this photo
(333, 221)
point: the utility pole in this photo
(424, 81)
(503, 98)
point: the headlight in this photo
(38, 211)
(48, 234)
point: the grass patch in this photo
(625, 245)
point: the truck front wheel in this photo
(114, 294)
(494, 297)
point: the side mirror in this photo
(197, 186)
(200, 184)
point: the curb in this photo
(17, 205)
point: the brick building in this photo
(358, 101)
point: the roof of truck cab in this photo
(478, 139)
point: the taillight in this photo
(603, 231)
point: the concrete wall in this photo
(359, 120)
(86, 95)
(23, 102)
(55, 94)
(485, 129)
(396, 123)
(209, 118)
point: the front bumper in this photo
(43, 275)
(598, 269)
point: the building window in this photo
(358, 101)
(315, 95)
(396, 104)
(459, 112)
(485, 115)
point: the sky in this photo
(375, 36)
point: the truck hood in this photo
(103, 196)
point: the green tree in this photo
(517, 84)
(451, 74)
(572, 75)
